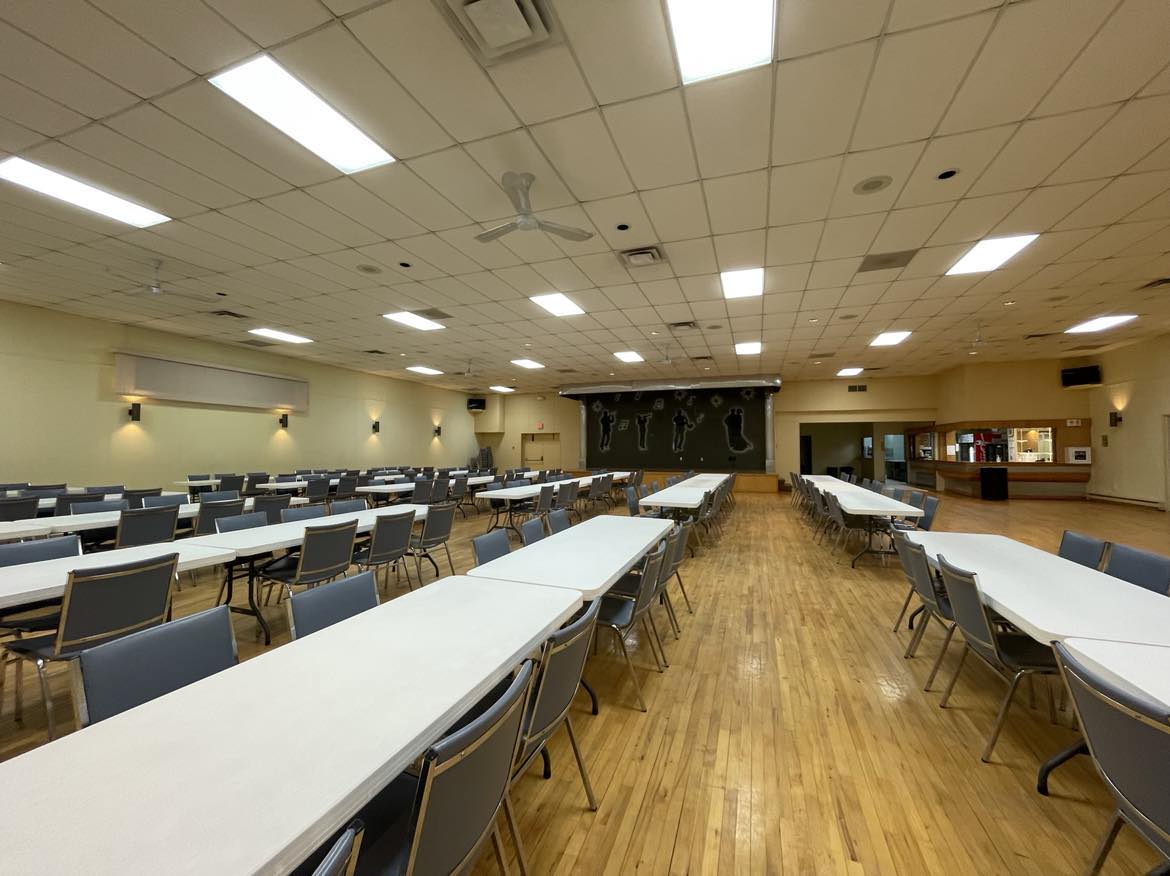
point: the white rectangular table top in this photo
(46, 579)
(589, 557)
(1144, 669)
(862, 502)
(109, 519)
(48, 503)
(203, 482)
(687, 493)
(12, 530)
(530, 490)
(281, 485)
(1049, 597)
(277, 536)
(203, 781)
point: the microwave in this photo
(1078, 455)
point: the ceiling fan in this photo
(516, 186)
(155, 288)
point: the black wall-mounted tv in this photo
(1085, 375)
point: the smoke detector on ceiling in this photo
(495, 30)
(641, 257)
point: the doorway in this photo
(540, 450)
(806, 454)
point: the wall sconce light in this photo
(1115, 419)
(135, 412)
(377, 427)
(438, 431)
(283, 421)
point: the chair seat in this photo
(386, 842)
(615, 612)
(626, 585)
(1023, 652)
(36, 623)
(282, 568)
(33, 647)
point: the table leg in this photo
(1057, 760)
(253, 607)
(592, 695)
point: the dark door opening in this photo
(806, 454)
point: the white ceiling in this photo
(1056, 115)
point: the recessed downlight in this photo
(872, 185)
(949, 173)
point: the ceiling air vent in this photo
(881, 261)
(375, 352)
(687, 326)
(702, 358)
(1037, 335)
(821, 355)
(858, 387)
(566, 371)
(495, 30)
(258, 343)
(432, 313)
(1154, 284)
(641, 257)
(228, 313)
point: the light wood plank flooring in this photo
(789, 735)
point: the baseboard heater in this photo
(1144, 503)
(155, 377)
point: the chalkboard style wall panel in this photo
(697, 428)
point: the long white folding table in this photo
(30, 582)
(251, 544)
(250, 769)
(860, 502)
(1144, 669)
(109, 519)
(530, 491)
(48, 503)
(34, 527)
(686, 495)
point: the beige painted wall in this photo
(63, 421)
(1007, 391)
(546, 413)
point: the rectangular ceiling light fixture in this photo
(557, 304)
(849, 372)
(1100, 323)
(280, 336)
(745, 283)
(526, 363)
(79, 194)
(747, 348)
(423, 369)
(713, 39)
(989, 254)
(629, 356)
(889, 339)
(272, 93)
(501, 389)
(414, 321)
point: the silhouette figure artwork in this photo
(643, 420)
(682, 425)
(607, 421)
(737, 442)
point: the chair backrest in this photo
(19, 552)
(303, 512)
(567, 494)
(327, 551)
(14, 485)
(98, 507)
(219, 496)
(346, 484)
(104, 603)
(559, 674)
(199, 477)
(462, 783)
(241, 521)
(1129, 738)
(134, 497)
(272, 505)
(1143, 568)
(649, 582)
(322, 606)
(422, 493)
(531, 531)
(437, 526)
(391, 537)
(146, 526)
(459, 487)
(632, 501)
(917, 568)
(915, 498)
(230, 483)
(285, 478)
(21, 508)
(1083, 549)
(929, 510)
(347, 506)
(209, 512)
(163, 501)
(257, 477)
(968, 609)
(105, 490)
(145, 665)
(544, 500)
(341, 859)
(304, 471)
(490, 546)
(317, 488)
(65, 502)
(558, 521)
(44, 491)
(680, 547)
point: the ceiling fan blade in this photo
(497, 232)
(565, 231)
(516, 186)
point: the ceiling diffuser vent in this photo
(566, 371)
(257, 343)
(228, 313)
(858, 387)
(641, 257)
(702, 358)
(881, 261)
(1154, 284)
(1038, 335)
(432, 313)
(821, 355)
(375, 352)
(689, 325)
(496, 30)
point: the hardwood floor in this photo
(789, 735)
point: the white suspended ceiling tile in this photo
(793, 244)
(1135, 130)
(850, 236)
(419, 48)
(933, 261)
(1011, 73)
(272, 21)
(737, 203)
(1159, 159)
(677, 212)
(239, 232)
(1158, 208)
(187, 30)
(915, 13)
(914, 79)
(392, 256)
(490, 254)
(1126, 239)
(314, 214)
(439, 253)
(516, 151)
(16, 138)
(816, 102)
(691, 257)
(786, 278)
(909, 228)
(36, 112)
(742, 250)
(802, 192)
(1047, 205)
(969, 154)
(893, 161)
(738, 103)
(607, 214)
(563, 276)
(1121, 196)
(973, 218)
(359, 204)
(336, 66)
(622, 46)
(401, 187)
(654, 139)
(172, 246)
(660, 292)
(833, 273)
(531, 246)
(1160, 84)
(468, 186)
(1131, 46)
(807, 26)
(542, 85)
(603, 269)
(581, 150)
(214, 244)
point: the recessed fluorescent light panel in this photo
(849, 372)
(79, 194)
(414, 321)
(629, 356)
(989, 254)
(889, 339)
(272, 93)
(526, 363)
(501, 389)
(717, 38)
(745, 283)
(1100, 324)
(556, 304)
(280, 336)
(423, 369)
(747, 348)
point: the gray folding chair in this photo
(163, 501)
(319, 607)
(146, 526)
(490, 546)
(935, 605)
(231, 483)
(422, 493)
(219, 496)
(1082, 549)
(387, 545)
(134, 497)
(531, 531)
(272, 505)
(347, 506)
(346, 487)
(621, 614)
(1143, 568)
(558, 521)
(98, 507)
(209, 512)
(317, 489)
(100, 604)
(1129, 739)
(326, 553)
(65, 502)
(679, 555)
(21, 508)
(340, 859)
(140, 667)
(297, 513)
(436, 531)
(105, 490)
